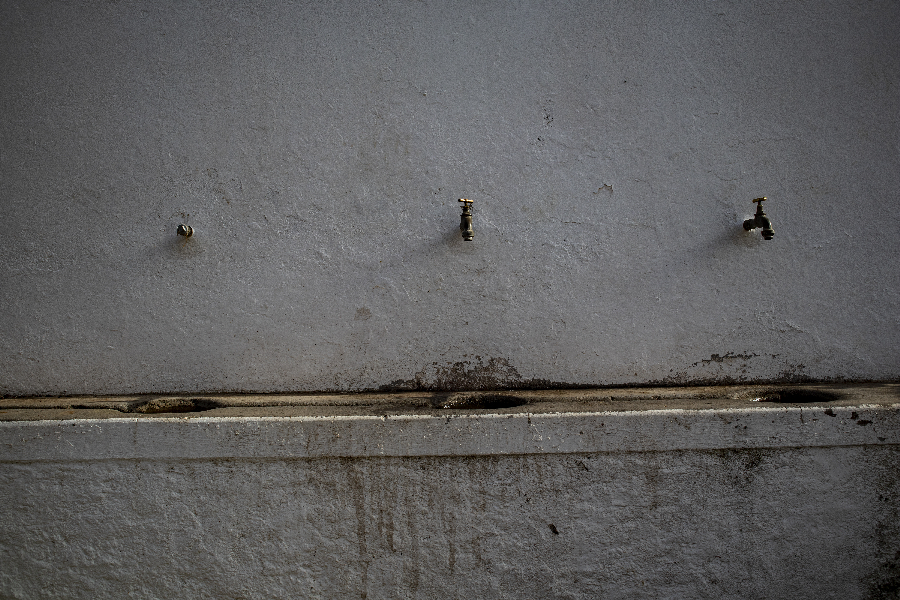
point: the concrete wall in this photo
(318, 149)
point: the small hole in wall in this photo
(796, 396)
(485, 401)
(171, 405)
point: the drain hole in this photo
(172, 405)
(796, 396)
(482, 401)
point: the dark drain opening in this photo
(796, 396)
(482, 401)
(172, 405)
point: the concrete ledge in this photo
(556, 426)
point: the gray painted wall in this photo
(318, 149)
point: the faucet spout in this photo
(767, 232)
(760, 220)
(465, 220)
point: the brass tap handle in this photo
(185, 230)
(760, 200)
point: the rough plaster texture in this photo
(318, 149)
(762, 502)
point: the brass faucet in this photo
(760, 219)
(465, 220)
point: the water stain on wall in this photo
(496, 373)
(734, 368)
(884, 582)
(740, 467)
(725, 358)
(475, 374)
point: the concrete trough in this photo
(718, 492)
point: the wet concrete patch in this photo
(169, 405)
(485, 401)
(796, 396)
